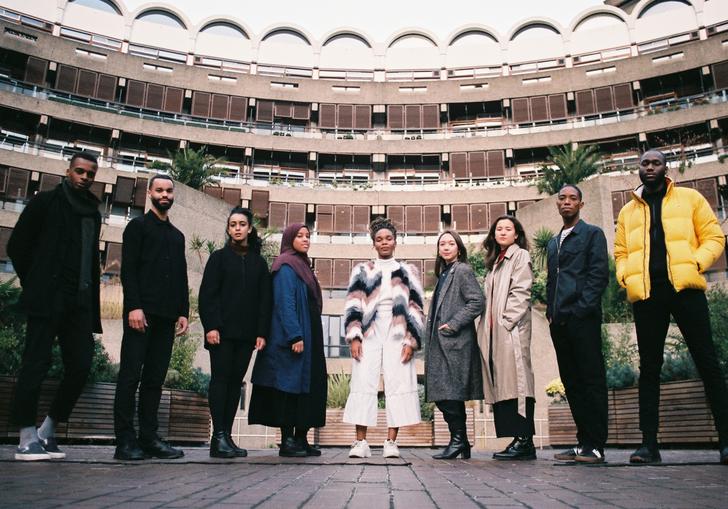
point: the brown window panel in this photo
(557, 106)
(617, 203)
(459, 165)
(342, 271)
(539, 109)
(173, 99)
(709, 189)
(476, 164)
(362, 116)
(98, 189)
(231, 196)
(264, 111)
(323, 268)
(4, 238)
(720, 74)
(327, 116)
(48, 181)
(106, 87)
(585, 103)
(155, 97)
(361, 214)
(17, 183)
(123, 190)
(686, 183)
(603, 97)
(719, 265)
(259, 203)
(4, 170)
(431, 215)
(35, 70)
(201, 104)
(524, 203)
(430, 116)
(623, 98)
(325, 218)
(496, 163)
(413, 116)
(627, 196)
(396, 214)
(460, 216)
(342, 218)
(479, 217)
(413, 218)
(428, 274)
(219, 106)
(283, 109)
(113, 258)
(136, 92)
(277, 215)
(345, 116)
(86, 85)
(238, 109)
(296, 213)
(66, 78)
(395, 116)
(214, 191)
(495, 210)
(520, 110)
(301, 111)
(140, 193)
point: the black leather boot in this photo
(458, 445)
(291, 448)
(239, 451)
(220, 447)
(521, 448)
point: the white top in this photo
(564, 233)
(385, 290)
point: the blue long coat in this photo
(276, 365)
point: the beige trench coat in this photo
(508, 298)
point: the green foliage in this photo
(718, 306)
(11, 350)
(338, 390)
(9, 312)
(539, 247)
(620, 376)
(619, 358)
(427, 409)
(538, 287)
(194, 168)
(573, 165)
(615, 307)
(102, 370)
(181, 373)
(476, 259)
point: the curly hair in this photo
(382, 223)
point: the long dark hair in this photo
(254, 242)
(462, 251)
(492, 249)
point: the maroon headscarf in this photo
(299, 262)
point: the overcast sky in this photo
(380, 18)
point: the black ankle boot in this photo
(458, 446)
(521, 448)
(291, 448)
(239, 451)
(220, 447)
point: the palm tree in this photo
(572, 166)
(539, 247)
(194, 168)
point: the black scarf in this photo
(86, 205)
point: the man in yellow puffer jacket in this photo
(666, 237)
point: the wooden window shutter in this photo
(238, 107)
(325, 218)
(231, 196)
(48, 181)
(362, 116)
(277, 215)
(617, 203)
(413, 218)
(136, 92)
(4, 170)
(219, 106)
(140, 193)
(603, 97)
(361, 215)
(98, 189)
(524, 203)
(495, 210)
(479, 217)
(124, 190)
(585, 103)
(35, 70)
(214, 191)
(264, 111)
(476, 163)
(623, 99)
(345, 116)
(301, 111)
(459, 165)
(539, 109)
(396, 214)
(720, 74)
(342, 271)
(4, 238)
(413, 116)
(113, 258)
(173, 99)
(106, 87)
(323, 268)
(342, 218)
(327, 116)
(430, 116)
(17, 183)
(283, 109)
(296, 213)
(719, 265)
(200, 104)
(395, 116)
(66, 78)
(431, 215)
(709, 189)
(520, 110)
(86, 85)
(259, 203)
(155, 97)
(496, 163)
(428, 274)
(557, 106)
(460, 218)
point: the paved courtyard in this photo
(90, 478)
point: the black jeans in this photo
(72, 325)
(144, 362)
(454, 414)
(578, 345)
(228, 363)
(689, 308)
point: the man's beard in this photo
(162, 207)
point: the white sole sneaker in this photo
(360, 449)
(391, 450)
(33, 452)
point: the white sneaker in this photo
(360, 449)
(391, 450)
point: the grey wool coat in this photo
(452, 359)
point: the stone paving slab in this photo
(90, 478)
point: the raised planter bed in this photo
(183, 415)
(685, 417)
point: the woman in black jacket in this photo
(235, 310)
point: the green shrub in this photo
(427, 409)
(338, 390)
(718, 305)
(621, 375)
(619, 358)
(615, 307)
(181, 373)
(678, 365)
(538, 287)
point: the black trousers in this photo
(578, 345)
(72, 325)
(144, 362)
(454, 414)
(229, 361)
(689, 308)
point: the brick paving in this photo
(90, 478)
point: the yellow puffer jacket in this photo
(693, 238)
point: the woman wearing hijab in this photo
(289, 377)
